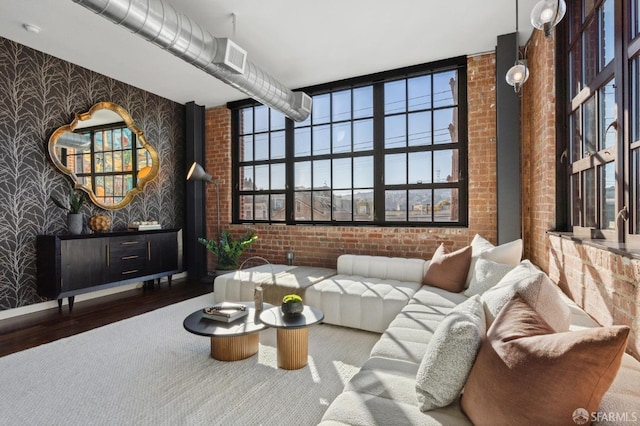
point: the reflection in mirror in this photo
(105, 155)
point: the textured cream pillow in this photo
(508, 253)
(486, 275)
(450, 355)
(535, 287)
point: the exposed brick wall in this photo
(481, 94)
(603, 283)
(538, 148)
(321, 245)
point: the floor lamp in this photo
(196, 172)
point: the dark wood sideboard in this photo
(69, 265)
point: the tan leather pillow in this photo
(448, 271)
(527, 374)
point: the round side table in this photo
(292, 335)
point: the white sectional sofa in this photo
(367, 292)
(386, 295)
(276, 282)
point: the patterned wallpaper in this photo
(39, 93)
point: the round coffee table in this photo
(292, 334)
(231, 341)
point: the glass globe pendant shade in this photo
(517, 75)
(546, 14)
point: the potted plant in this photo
(75, 203)
(228, 250)
(291, 305)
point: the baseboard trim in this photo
(50, 304)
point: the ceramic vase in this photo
(74, 223)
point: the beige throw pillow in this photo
(526, 374)
(448, 270)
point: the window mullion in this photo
(289, 197)
(378, 153)
(621, 76)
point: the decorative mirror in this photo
(105, 155)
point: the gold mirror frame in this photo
(141, 140)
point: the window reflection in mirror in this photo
(105, 154)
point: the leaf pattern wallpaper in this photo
(38, 94)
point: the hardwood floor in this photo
(26, 331)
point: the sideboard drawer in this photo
(128, 248)
(128, 257)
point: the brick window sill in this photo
(617, 248)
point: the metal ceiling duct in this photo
(74, 140)
(161, 24)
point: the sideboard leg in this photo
(71, 300)
(59, 305)
(169, 279)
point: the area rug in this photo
(148, 370)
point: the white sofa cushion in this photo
(450, 355)
(276, 281)
(238, 286)
(536, 289)
(355, 408)
(360, 302)
(408, 335)
(486, 275)
(392, 268)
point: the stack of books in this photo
(225, 311)
(145, 226)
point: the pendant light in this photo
(518, 73)
(546, 14)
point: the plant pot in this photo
(292, 309)
(226, 268)
(74, 223)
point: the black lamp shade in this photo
(196, 172)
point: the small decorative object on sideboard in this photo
(145, 225)
(291, 305)
(75, 203)
(99, 223)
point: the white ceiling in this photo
(299, 42)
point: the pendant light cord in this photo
(517, 37)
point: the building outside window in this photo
(602, 116)
(387, 149)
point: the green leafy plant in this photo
(228, 250)
(76, 201)
(290, 298)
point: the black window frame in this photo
(609, 223)
(378, 151)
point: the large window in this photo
(388, 149)
(604, 142)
